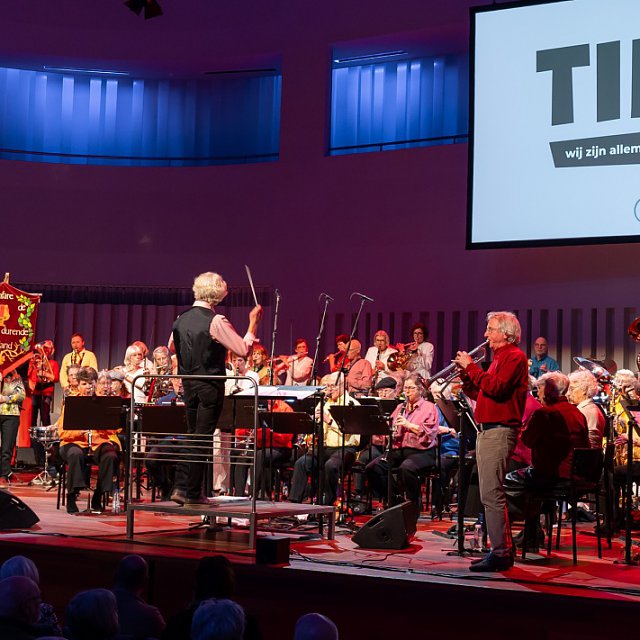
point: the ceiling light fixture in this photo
(371, 56)
(151, 8)
(98, 72)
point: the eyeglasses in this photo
(493, 329)
(409, 388)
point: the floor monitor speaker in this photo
(15, 514)
(391, 529)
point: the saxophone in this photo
(621, 427)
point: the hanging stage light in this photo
(151, 8)
(135, 5)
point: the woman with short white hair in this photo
(582, 387)
(134, 366)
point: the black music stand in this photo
(294, 422)
(170, 419)
(458, 413)
(387, 405)
(102, 413)
(237, 413)
(360, 420)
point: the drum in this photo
(44, 435)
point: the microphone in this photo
(327, 297)
(277, 294)
(356, 293)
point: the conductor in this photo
(201, 338)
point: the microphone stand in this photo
(319, 426)
(342, 373)
(273, 336)
(465, 415)
(323, 317)
(263, 426)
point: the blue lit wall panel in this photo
(399, 104)
(79, 118)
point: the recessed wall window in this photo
(399, 104)
(98, 118)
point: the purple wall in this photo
(389, 224)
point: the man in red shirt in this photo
(500, 394)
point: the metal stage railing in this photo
(159, 433)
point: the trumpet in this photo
(447, 374)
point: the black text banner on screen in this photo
(555, 124)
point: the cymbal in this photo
(600, 373)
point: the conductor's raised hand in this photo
(255, 316)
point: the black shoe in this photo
(361, 509)
(96, 502)
(493, 563)
(72, 507)
(179, 496)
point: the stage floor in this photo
(426, 564)
(429, 556)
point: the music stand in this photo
(164, 419)
(289, 422)
(101, 412)
(360, 420)
(457, 413)
(294, 422)
(386, 405)
(237, 413)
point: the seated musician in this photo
(299, 364)
(360, 372)
(449, 445)
(626, 382)
(335, 360)
(582, 387)
(386, 388)
(163, 366)
(75, 448)
(552, 433)
(103, 383)
(422, 350)
(415, 423)
(379, 354)
(332, 454)
(223, 439)
(260, 364)
(72, 381)
(135, 364)
(117, 383)
(275, 452)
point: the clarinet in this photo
(374, 379)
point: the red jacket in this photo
(500, 392)
(553, 432)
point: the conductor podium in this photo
(173, 444)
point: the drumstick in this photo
(253, 290)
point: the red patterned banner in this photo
(18, 315)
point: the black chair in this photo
(585, 479)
